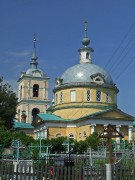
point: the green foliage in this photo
(57, 146)
(5, 137)
(80, 147)
(8, 102)
(101, 162)
(93, 141)
(25, 139)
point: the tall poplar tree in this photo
(8, 102)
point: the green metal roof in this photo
(22, 125)
(50, 117)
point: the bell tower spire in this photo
(34, 57)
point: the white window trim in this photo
(72, 95)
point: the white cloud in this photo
(20, 54)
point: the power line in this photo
(116, 50)
(115, 66)
(125, 68)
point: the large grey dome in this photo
(84, 73)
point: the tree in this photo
(24, 138)
(57, 144)
(5, 137)
(93, 141)
(8, 102)
(80, 147)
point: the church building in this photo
(85, 100)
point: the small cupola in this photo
(85, 52)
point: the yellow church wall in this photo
(75, 113)
(112, 114)
(54, 131)
(80, 133)
(99, 128)
(83, 132)
(81, 95)
(28, 89)
(124, 131)
(67, 109)
(28, 109)
(71, 130)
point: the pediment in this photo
(110, 114)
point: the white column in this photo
(45, 133)
(92, 128)
(130, 133)
(118, 138)
(28, 90)
(27, 113)
(44, 90)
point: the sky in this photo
(59, 28)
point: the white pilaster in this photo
(45, 133)
(118, 138)
(92, 128)
(130, 133)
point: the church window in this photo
(97, 79)
(84, 133)
(71, 136)
(23, 116)
(73, 96)
(35, 90)
(107, 96)
(98, 95)
(61, 97)
(87, 55)
(58, 135)
(88, 95)
(56, 99)
(80, 134)
(21, 92)
(35, 111)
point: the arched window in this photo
(97, 79)
(35, 90)
(98, 95)
(71, 136)
(88, 95)
(87, 55)
(23, 117)
(21, 92)
(58, 135)
(107, 97)
(35, 111)
(84, 133)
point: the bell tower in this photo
(33, 88)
